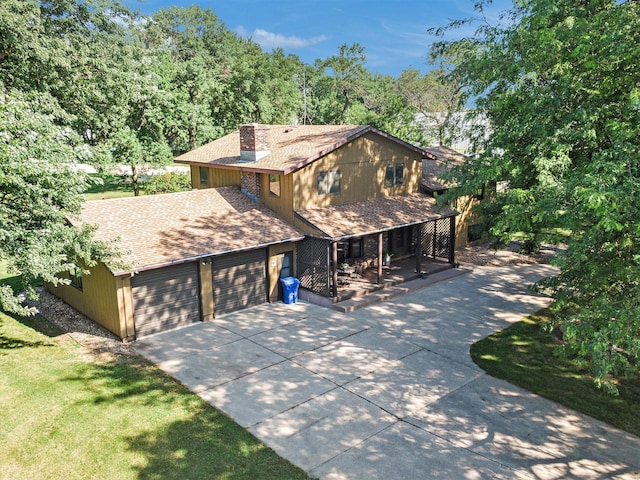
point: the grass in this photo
(68, 414)
(112, 186)
(523, 354)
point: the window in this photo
(353, 248)
(356, 247)
(76, 277)
(394, 175)
(204, 176)
(274, 185)
(328, 182)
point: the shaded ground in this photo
(485, 254)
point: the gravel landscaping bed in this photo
(486, 254)
(77, 326)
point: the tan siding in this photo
(362, 164)
(125, 306)
(465, 218)
(98, 298)
(218, 177)
(282, 205)
(206, 290)
(195, 177)
(274, 266)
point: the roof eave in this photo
(194, 258)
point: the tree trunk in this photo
(193, 139)
(134, 180)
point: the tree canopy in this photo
(559, 82)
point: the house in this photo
(436, 161)
(460, 130)
(269, 201)
(352, 189)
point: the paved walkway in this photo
(389, 391)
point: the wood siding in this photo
(282, 205)
(98, 298)
(218, 177)
(274, 267)
(362, 164)
(466, 217)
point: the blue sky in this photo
(393, 32)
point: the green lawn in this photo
(112, 186)
(67, 414)
(523, 354)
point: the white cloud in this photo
(270, 40)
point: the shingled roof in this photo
(291, 147)
(436, 161)
(158, 230)
(374, 215)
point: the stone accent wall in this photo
(250, 185)
(254, 142)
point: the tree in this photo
(196, 49)
(38, 192)
(344, 87)
(559, 83)
(437, 96)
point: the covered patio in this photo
(365, 246)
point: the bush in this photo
(167, 183)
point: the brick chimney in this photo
(254, 142)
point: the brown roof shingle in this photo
(374, 215)
(156, 230)
(291, 147)
(439, 160)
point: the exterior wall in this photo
(98, 299)
(466, 217)
(218, 177)
(273, 267)
(282, 205)
(362, 164)
(206, 290)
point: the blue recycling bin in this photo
(290, 289)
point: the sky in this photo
(394, 33)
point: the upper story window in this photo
(204, 176)
(328, 182)
(274, 185)
(394, 175)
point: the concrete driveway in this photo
(389, 391)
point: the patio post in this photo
(379, 258)
(435, 235)
(334, 267)
(418, 249)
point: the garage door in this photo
(165, 298)
(239, 281)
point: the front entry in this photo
(399, 242)
(285, 269)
